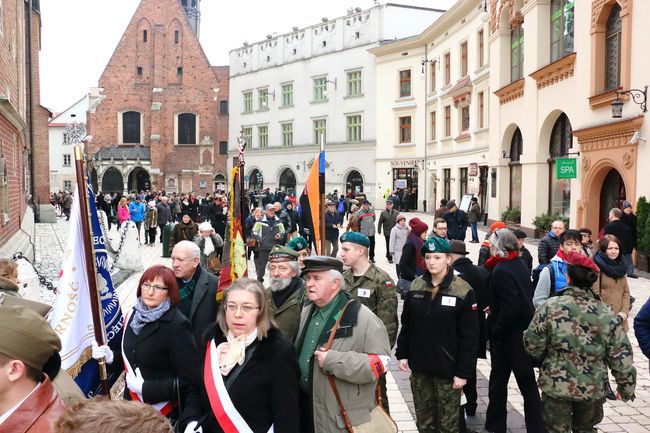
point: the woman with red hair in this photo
(158, 350)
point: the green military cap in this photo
(298, 244)
(355, 238)
(321, 263)
(26, 336)
(280, 253)
(435, 245)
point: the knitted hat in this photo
(497, 225)
(418, 226)
(435, 245)
(400, 217)
(205, 226)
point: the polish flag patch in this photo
(474, 307)
(389, 283)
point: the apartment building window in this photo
(287, 94)
(187, 128)
(287, 134)
(263, 136)
(223, 107)
(131, 127)
(248, 101)
(263, 99)
(463, 180)
(247, 133)
(446, 179)
(404, 83)
(67, 185)
(613, 33)
(562, 20)
(67, 160)
(434, 66)
(463, 59)
(447, 121)
(66, 138)
(447, 68)
(481, 110)
(354, 128)
(320, 89)
(405, 129)
(481, 48)
(464, 119)
(433, 126)
(320, 131)
(223, 148)
(517, 53)
(354, 83)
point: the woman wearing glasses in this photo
(157, 349)
(249, 381)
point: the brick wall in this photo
(170, 44)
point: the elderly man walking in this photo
(355, 355)
(197, 288)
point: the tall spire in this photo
(193, 11)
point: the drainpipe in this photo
(30, 76)
(424, 165)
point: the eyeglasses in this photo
(246, 308)
(156, 288)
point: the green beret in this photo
(355, 238)
(282, 253)
(26, 336)
(435, 244)
(298, 244)
(322, 263)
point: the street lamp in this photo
(639, 97)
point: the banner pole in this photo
(321, 186)
(95, 306)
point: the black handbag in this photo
(403, 287)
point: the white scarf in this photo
(208, 248)
(233, 351)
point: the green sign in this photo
(566, 168)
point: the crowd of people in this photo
(305, 345)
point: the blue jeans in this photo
(474, 227)
(629, 264)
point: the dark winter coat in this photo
(527, 257)
(218, 220)
(456, 224)
(630, 221)
(623, 233)
(204, 303)
(387, 220)
(164, 214)
(264, 393)
(407, 266)
(183, 232)
(477, 277)
(331, 229)
(547, 248)
(642, 328)
(293, 219)
(192, 208)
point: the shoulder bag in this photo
(380, 421)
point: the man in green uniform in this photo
(577, 337)
(371, 286)
(286, 289)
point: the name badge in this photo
(363, 293)
(448, 301)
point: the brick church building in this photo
(159, 118)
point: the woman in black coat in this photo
(247, 362)
(411, 264)
(511, 310)
(157, 349)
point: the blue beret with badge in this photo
(355, 238)
(435, 245)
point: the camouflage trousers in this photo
(564, 416)
(437, 404)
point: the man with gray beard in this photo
(286, 289)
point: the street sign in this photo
(566, 168)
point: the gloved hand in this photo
(102, 352)
(135, 381)
(193, 427)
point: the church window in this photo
(130, 127)
(187, 128)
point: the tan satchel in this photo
(380, 421)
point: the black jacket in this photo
(630, 221)
(204, 304)
(456, 224)
(547, 248)
(407, 266)
(477, 277)
(527, 257)
(164, 350)
(293, 219)
(264, 393)
(192, 208)
(623, 233)
(218, 220)
(331, 229)
(450, 317)
(511, 303)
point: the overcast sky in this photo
(79, 36)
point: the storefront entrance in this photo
(405, 183)
(354, 183)
(612, 194)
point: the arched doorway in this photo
(139, 180)
(288, 181)
(612, 194)
(516, 149)
(220, 182)
(354, 183)
(256, 180)
(112, 181)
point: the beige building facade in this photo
(556, 68)
(433, 94)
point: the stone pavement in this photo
(630, 417)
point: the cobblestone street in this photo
(630, 417)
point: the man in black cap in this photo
(456, 221)
(366, 218)
(332, 227)
(524, 254)
(358, 355)
(387, 220)
(286, 289)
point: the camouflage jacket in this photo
(375, 289)
(576, 336)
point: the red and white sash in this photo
(164, 407)
(224, 410)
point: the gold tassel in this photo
(75, 369)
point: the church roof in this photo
(124, 152)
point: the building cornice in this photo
(511, 92)
(555, 72)
(608, 135)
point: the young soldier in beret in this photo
(286, 290)
(28, 401)
(438, 340)
(301, 246)
(371, 286)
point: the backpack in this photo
(341, 208)
(538, 270)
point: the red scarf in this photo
(560, 254)
(493, 261)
